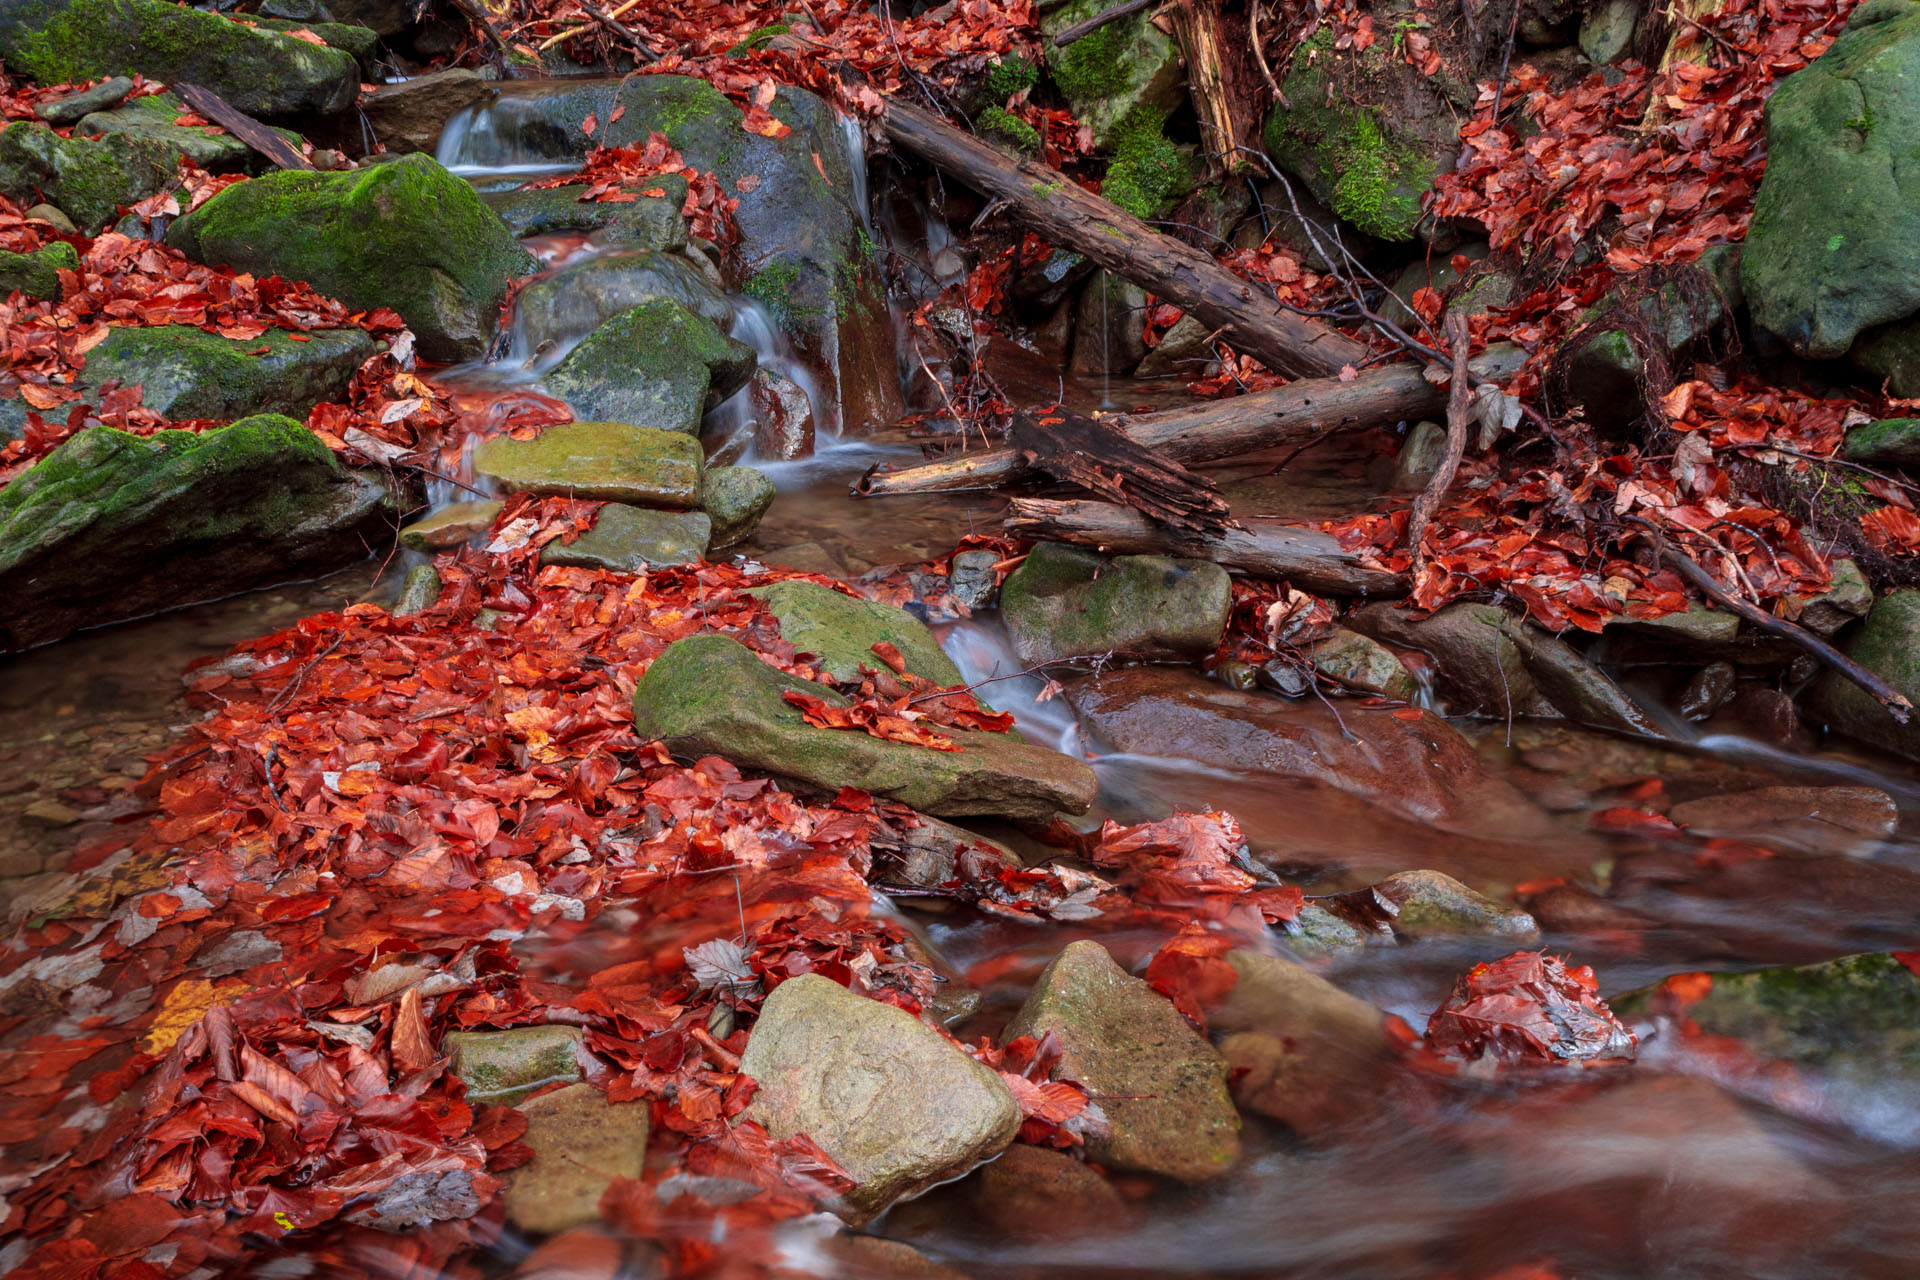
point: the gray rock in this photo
(503, 1067)
(53, 217)
(616, 461)
(973, 578)
(1429, 903)
(657, 364)
(91, 179)
(1361, 663)
(1162, 1086)
(418, 591)
(1109, 326)
(559, 308)
(735, 498)
(1420, 456)
(1184, 351)
(1697, 627)
(1889, 646)
(451, 526)
(634, 539)
(411, 115)
(644, 222)
(1890, 442)
(897, 1105)
(709, 695)
(841, 631)
(152, 118)
(581, 1142)
(926, 855)
(1607, 31)
(1847, 599)
(71, 108)
(1064, 602)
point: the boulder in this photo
(260, 71)
(840, 631)
(634, 539)
(1034, 1192)
(347, 37)
(643, 222)
(1886, 442)
(1065, 602)
(657, 364)
(1184, 351)
(37, 274)
(735, 498)
(152, 118)
(1298, 1048)
(406, 235)
(1429, 903)
(411, 115)
(1608, 30)
(556, 310)
(710, 695)
(616, 461)
(1834, 249)
(1361, 663)
(70, 108)
(1889, 646)
(451, 526)
(1419, 457)
(91, 179)
(1601, 367)
(502, 1067)
(899, 1106)
(227, 510)
(1823, 820)
(581, 1142)
(782, 417)
(419, 591)
(1848, 597)
(1162, 1086)
(1128, 65)
(973, 578)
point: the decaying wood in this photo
(1196, 27)
(1076, 449)
(564, 36)
(1459, 419)
(1263, 548)
(1099, 20)
(1214, 429)
(1248, 318)
(620, 29)
(242, 126)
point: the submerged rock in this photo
(634, 539)
(710, 695)
(841, 631)
(1033, 1192)
(581, 1142)
(83, 530)
(91, 179)
(578, 298)
(503, 1067)
(1162, 1086)
(616, 461)
(1066, 602)
(1429, 903)
(735, 498)
(900, 1107)
(1889, 646)
(406, 235)
(656, 364)
(37, 274)
(451, 525)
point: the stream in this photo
(1480, 1180)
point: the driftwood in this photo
(1247, 318)
(1076, 449)
(1264, 548)
(212, 106)
(1214, 429)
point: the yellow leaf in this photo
(185, 1005)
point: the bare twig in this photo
(1098, 20)
(1260, 59)
(584, 27)
(1459, 409)
(620, 29)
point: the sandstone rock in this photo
(505, 1066)
(411, 115)
(1035, 1192)
(616, 461)
(1065, 602)
(634, 539)
(451, 525)
(895, 1103)
(1844, 820)
(581, 1142)
(1430, 903)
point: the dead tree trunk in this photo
(1264, 548)
(1223, 428)
(1248, 318)
(1076, 449)
(212, 106)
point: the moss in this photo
(37, 274)
(89, 179)
(998, 122)
(841, 631)
(756, 39)
(1148, 172)
(772, 286)
(189, 373)
(1010, 76)
(1092, 66)
(1380, 180)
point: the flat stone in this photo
(896, 1104)
(735, 498)
(452, 525)
(49, 813)
(1034, 1192)
(1429, 902)
(1828, 820)
(634, 539)
(581, 1142)
(644, 222)
(1161, 1085)
(841, 631)
(617, 461)
(1848, 598)
(72, 107)
(505, 1066)
(1065, 602)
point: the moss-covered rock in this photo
(1362, 663)
(419, 591)
(91, 179)
(656, 364)
(735, 498)
(1000, 126)
(710, 695)
(503, 1067)
(37, 274)
(1115, 70)
(406, 235)
(645, 222)
(1885, 442)
(1889, 646)
(558, 309)
(84, 531)
(634, 539)
(260, 71)
(617, 461)
(152, 118)
(1066, 602)
(359, 42)
(841, 631)
(1429, 903)
(73, 107)
(1148, 173)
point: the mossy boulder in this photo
(634, 539)
(1065, 602)
(1834, 248)
(656, 364)
(260, 71)
(1891, 442)
(1361, 663)
(90, 179)
(644, 222)
(558, 309)
(1432, 903)
(360, 42)
(735, 498)
(1163, 1087)
(503, 1067)
(710, 695)
(152, 118)
(112, 526)
(617, 461)
(37, 274)
(841, 631)
(406, 235)
(1148, 173)
(1889, 646)
(1115, 70)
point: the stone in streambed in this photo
(1848, 597)
(451, 526)
(406, 235)
(1161, 1085)
(71, 108)
(1036, 1192)
(419, 590)
(152, 118)
(973, 578)
(37, 274)
(841, 631)
(710, 695)
(1827, 820)
(1065, 602)
(657, 364)
(735, 498)
(412, 114)
(634, 539)
(1427, 903)
(581, 296)
(83, 530)
(581, 1142)
(1889, 646)
(505, 1066)
(1359, 662)
(896, 1104)
(90, 178)
(615, 461)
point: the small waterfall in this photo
(754, 326)
(853, 136)
(982, 652)
(510, 140)
(456, 481)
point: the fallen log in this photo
(211, 106)
(1248, 318)
(1262, 548)
(1075, 449)
(1213, 429)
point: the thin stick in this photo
(584, 27)
(620, 29)
(1459, 406)
(1098, 21)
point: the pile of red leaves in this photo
(608, 172)
(1529, 1008)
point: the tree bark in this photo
(1264, 548)
(212, 106)
(1216, 429)
(1091, 454)
(1248, 318)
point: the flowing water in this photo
(1638, 1174)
